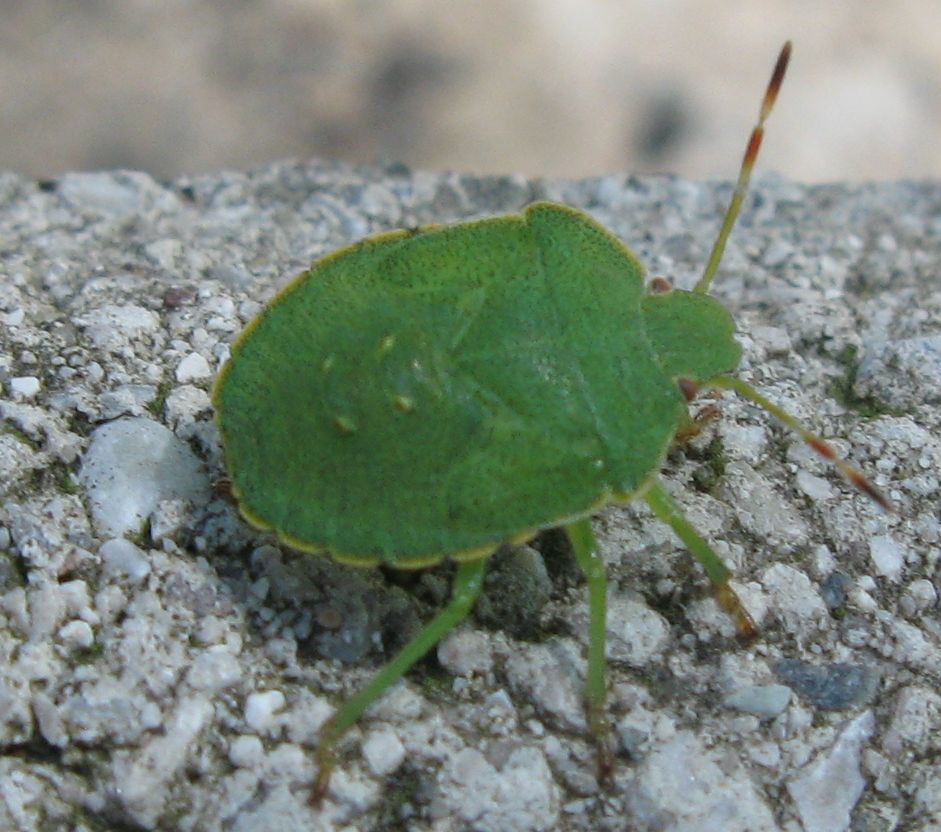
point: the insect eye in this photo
(658, 285)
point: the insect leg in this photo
(589, 561)
(855, 477)
(666, 508)
(693, 426)
(466, 588)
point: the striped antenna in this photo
(854, 476)
(744, 174)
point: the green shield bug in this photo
(438, 393)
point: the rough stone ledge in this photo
(164, 667)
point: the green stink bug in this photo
(438, 393)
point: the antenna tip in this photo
(777, 77)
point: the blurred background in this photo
(554, 87)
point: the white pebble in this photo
(826, 790)
(24, 386)
(260, 709)
(923, 593)
(46, 610)
(793, 599)
(193, 368)
(636, 633)
(210, 630)
(816, 488)
(383, 752)
(246, 751)
(287, 762)
(465, 652)
(887, 556)
(49, 720)
(214, 669)
(308, 713)
(764, 701)
(77, 635)
(130, 466)
(121, 558)
(75, 595)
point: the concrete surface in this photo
(163, 666)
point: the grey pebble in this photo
(763, 701)
(131, 465)
(830, 687)
(833, 590)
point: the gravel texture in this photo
(163, 666)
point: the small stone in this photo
(112, 327)
(744, 442)
(77, 601)
(116, 193)
(24, 386)
(77, 635)
(193, 368)
(903, 373)
(46, 610)
(288, 761)
(887, 557)
(916, 722)
(383, 752)
(307, 715)
(763, 701)
(185, 403)
(833, 590)
(133, 464)
(636, 633)
(49, 720)
(14, 317)
(816, 488)
(826, 790)
(17, 461)
(246, 751)
(911, 645)
(516, 589)
(465, 652)
(519, 794)
(168, 519)
(141, 779)
(793, 599)
(126, 400)
(214, 669)
(682, 785)
(922, 593)
(261, 710)
(211, 630)
(831, 687)
(123, 559)
(776, 340)
(549, 674)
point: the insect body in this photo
(439, 393)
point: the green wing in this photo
(439, 392)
